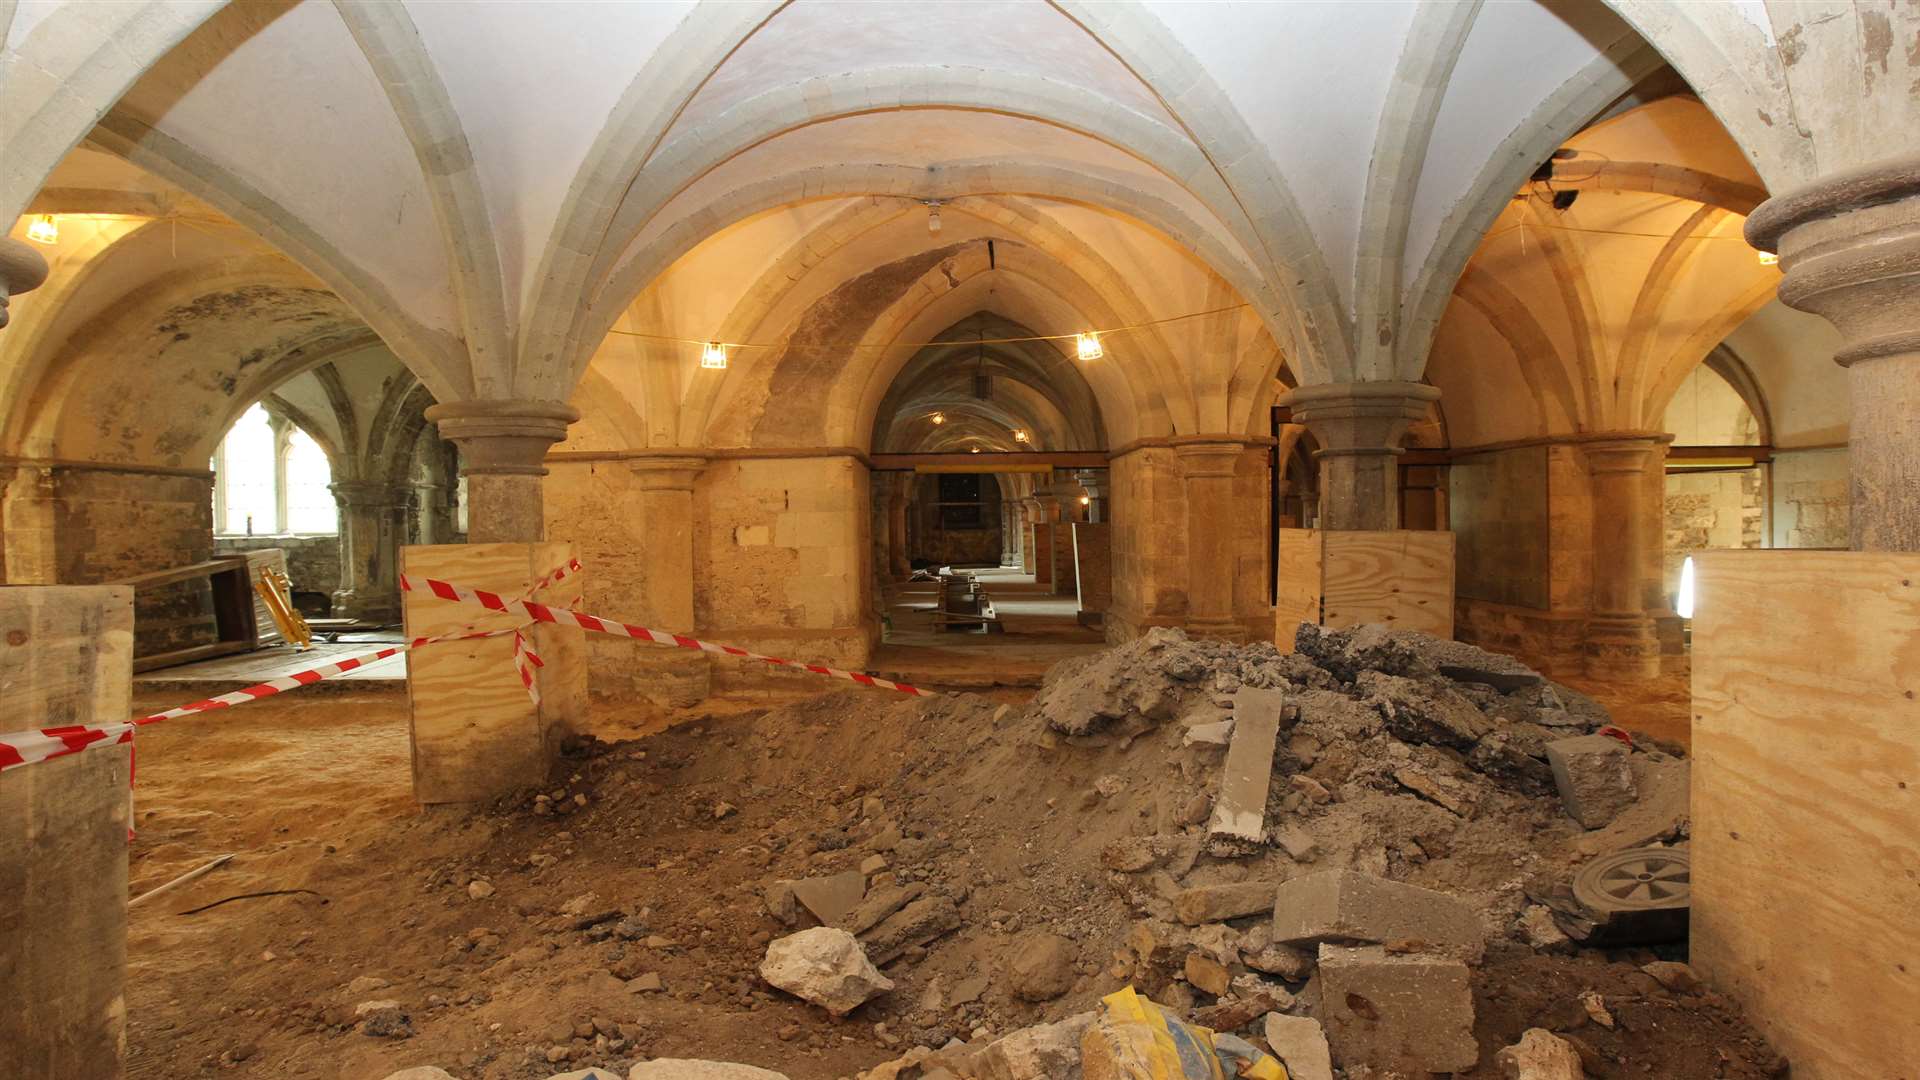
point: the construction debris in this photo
(1407, 849)
(1593, 776)
(1540, 1055)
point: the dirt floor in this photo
(517, 942)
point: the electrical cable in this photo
(928, 344)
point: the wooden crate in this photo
(67, 659)
(1338, 579)
(1806, 802)
(476, 733)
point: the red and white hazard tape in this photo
(594, 624)
(28, 747)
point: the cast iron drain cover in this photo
(1644, 879)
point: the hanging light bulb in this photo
(1019, 435)
(43, 230)
(933, 217)
(1768, 258)
(1088, 346)
(714, 355)
(938, 418)
(973, 449)
(1086, 500)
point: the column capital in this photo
(503, 438)
(1212, 457)
(1850, 253)
(667, 470)
(1621, 455)
(369, 492)
(22, 269)
(1359, 417)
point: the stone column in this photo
(503, 448)
(1029, 547)
(899, 497)
(1620, 643)
(674, 677)
(1206, 472)
(373, 524)
(1359, 426)
(1095, 482)
(1849, 246)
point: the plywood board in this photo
(1806, 802)
(67, 658)
(1298, 595)
(476, 733)
(1402, 579)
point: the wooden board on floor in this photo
(476, 733)
(1402, 579)
(1806, 801)
(68, 659)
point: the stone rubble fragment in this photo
(1540, 1055)
(825, 967)
(683, 1069)
(1593, 776)
(1218, 903)
(1042, 1052)
(1345, 906)
(1040, 967)
(1301, 1045)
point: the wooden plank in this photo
(190, 654)
(1299, 592)
(476, 734)
(1240, 811)
(67, 659)
(1402, 579)
(185, 573)
(1806, 801)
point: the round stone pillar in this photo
(1009, 532)
(22, 269)
(1621, 643)
(1359, 426)
(503, 449)
(373, 523)
(1849, 246)
(1206, 472)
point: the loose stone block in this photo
(1594, 776)
(1239, 814)
(1345, 906)
(1410, 1013)
(1218, 903)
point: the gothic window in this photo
(271, 478)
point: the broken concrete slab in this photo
(1041, 1052)
(1218, 903)
(916, 924)
(1593, 776)
(1219, 733)
(1446, 792)
(1301, 1045)
(1540, 1055)
(831, 899)
(1239, 813)
(1346, 906)
(825, 967)
(1660, 813)
(1424, 711)
(878, 905)
(1409, 1012)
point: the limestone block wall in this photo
(83, 525)
(1709, 510)
(782, 562)
(1810, 502)
(596, 506)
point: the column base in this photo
(670, 678)
(1621, 648)
(1219, 630)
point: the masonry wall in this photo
(313, 562)
(1810, 499)
(1708, 510)
(1149, 543)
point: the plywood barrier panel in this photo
(1806, 802)
(67, 658)
(1297, 598)
(1402, 579)
(476, 732)
(1093, 565)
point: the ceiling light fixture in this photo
(933, 215)
(714, 355)
(1088, 346)
(1768, 258)
(938, 418)
(973, 450)
(1019, 435)
(43, 230)
(1086, 500)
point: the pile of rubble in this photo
(1330, 852)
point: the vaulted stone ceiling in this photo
(493, 188)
